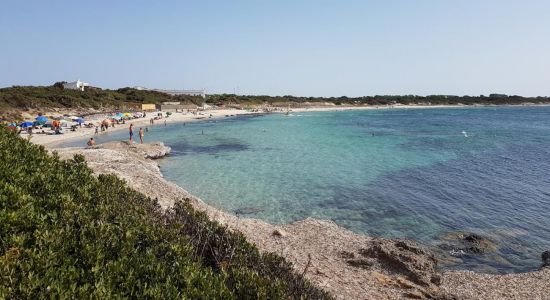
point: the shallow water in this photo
(414, 173)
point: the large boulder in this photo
(545, 259)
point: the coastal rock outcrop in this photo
(149, 150)
(403, 257)
(402, 264)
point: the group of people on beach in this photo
(131, 131)
(91, 142)
(105, 125)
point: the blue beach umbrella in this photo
(26, 124)
(41, 120)
(79, 120)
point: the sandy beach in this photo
(81, 133)
(346, 264)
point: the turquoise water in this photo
(415, 173)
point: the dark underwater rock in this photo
(459, 243)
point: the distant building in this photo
(201, 93)
(175, 107)
(75, 85)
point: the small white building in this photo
(75, 85)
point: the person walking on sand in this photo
(131, 129)
(141, 135)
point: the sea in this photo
(421, 174)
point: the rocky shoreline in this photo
(346, 264)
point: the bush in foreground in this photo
(65, 233)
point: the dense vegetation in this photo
(24, 98)
(15, 99)
(65, 233)
(495, 99)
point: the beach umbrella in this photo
(127, 114)
(26, 124)
(79, 120)
(41, 120)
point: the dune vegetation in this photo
(17, 99)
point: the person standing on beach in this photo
(141, 135)
(131, 129)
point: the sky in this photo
(282, 47)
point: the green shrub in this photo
(65, 233)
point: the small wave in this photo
(457, 252)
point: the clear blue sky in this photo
(280, 47)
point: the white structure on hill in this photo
(75, 85)
(201, 93)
